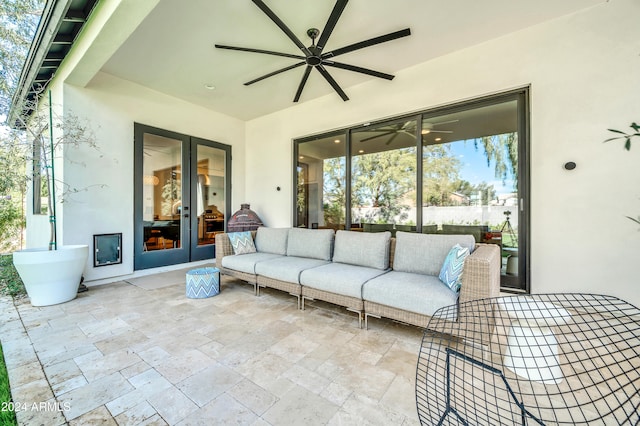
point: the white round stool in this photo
(532, 348)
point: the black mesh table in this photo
(531, 360)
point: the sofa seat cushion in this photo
(339, 278)
(422, 294)
(246, 262)
(425, 253)
(362, 249)
(312, 243)
(287, 268)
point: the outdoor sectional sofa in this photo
(370, 274)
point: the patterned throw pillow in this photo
(242, 242)
(451, 272)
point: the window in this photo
(383, 177)
(39, 182)
(321, 182)
(461, 169)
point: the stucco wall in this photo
(583, 71)
(113, 105)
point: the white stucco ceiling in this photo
(173, 52)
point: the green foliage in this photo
(11, 224)
(382, 179)
(18, 22)
(627, 145)
(10, 282)
(503, 151)
(7, 417)
(440, 178)
(334, 187)
(626, 136)
(12, 186)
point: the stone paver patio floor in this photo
(139, 352)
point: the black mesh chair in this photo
(531, 360)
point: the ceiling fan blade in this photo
(331, 23)
(282, 26)
(358, 69)
(445, 122)
(441, 131)
(392, 138)
(271, 74)
(332, 82)
(266, 52)
(381, 135)
(302, 83)
(371, 42)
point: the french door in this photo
(182, 196)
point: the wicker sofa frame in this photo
(480, 280)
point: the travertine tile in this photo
(33, 392)
(49, 413)
(253, 396)
(135, 369)
(94, 367)
(147, 384)
(141, 414)
(336, 393)
(203, 387)
(146, 355)
(223, 410)
(300, 406)
(176, 369)
(62, 371)
(396, 397)
(306, 378)
(124, 338)
(94, 394)
(370, 411)
(24, 374)
(154, 355)
(69, 385)
(293, 348)
(98, 416)
(172, 405)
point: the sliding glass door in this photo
(181, 197)
(461, 169)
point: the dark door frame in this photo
(189, 250)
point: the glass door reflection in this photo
(162, 193)
(210, 193)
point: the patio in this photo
(139, 352)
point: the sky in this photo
(475, 169)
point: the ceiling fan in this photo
(408, 128)
(429, 127)
(314, 57)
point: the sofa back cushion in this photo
(272, 240)
(425, 253)
(311, 243)
(362, 249)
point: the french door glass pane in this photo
(162, 192)
(470, 177)
(321, 183)
(383, 178)
(210, 193)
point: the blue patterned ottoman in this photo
(203, 283)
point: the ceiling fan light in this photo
(426, 131)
